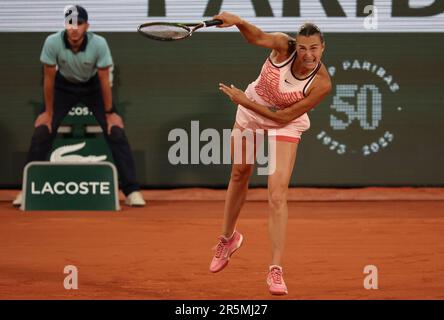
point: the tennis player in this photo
(76, 70)
(292, 81)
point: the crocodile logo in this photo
(61, 154)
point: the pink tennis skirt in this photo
(290, 132)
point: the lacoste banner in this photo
(70, 186)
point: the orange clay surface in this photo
(163, 251)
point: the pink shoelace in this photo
(219, 248)
(276, 274)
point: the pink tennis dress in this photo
(277, 87)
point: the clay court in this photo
(163, 251)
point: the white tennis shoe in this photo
(135, 199)
(18, 200)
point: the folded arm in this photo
(319, 90)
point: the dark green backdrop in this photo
(163, 86)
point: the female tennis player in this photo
(292, 81)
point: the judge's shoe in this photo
(135, 199)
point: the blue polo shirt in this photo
(77, 67)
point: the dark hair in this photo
(82, 14)
(309, 29)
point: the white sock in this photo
(274, 266)
(230, 237)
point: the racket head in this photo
(165, 31)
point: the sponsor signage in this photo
(358, 109)
(70, 186)
(271, 15)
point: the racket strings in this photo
(165, 31)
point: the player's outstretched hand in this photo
(236, 95)
(229, 19)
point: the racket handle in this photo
(215, 22)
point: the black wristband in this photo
(112, 110)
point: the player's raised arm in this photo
(277, 41)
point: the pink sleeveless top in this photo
(279, 88)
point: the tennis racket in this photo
(170, 31)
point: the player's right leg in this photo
(241, 171)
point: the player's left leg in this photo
(277, 198)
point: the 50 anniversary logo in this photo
(356, 121)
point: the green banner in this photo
(382, 124)
(70, 186)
